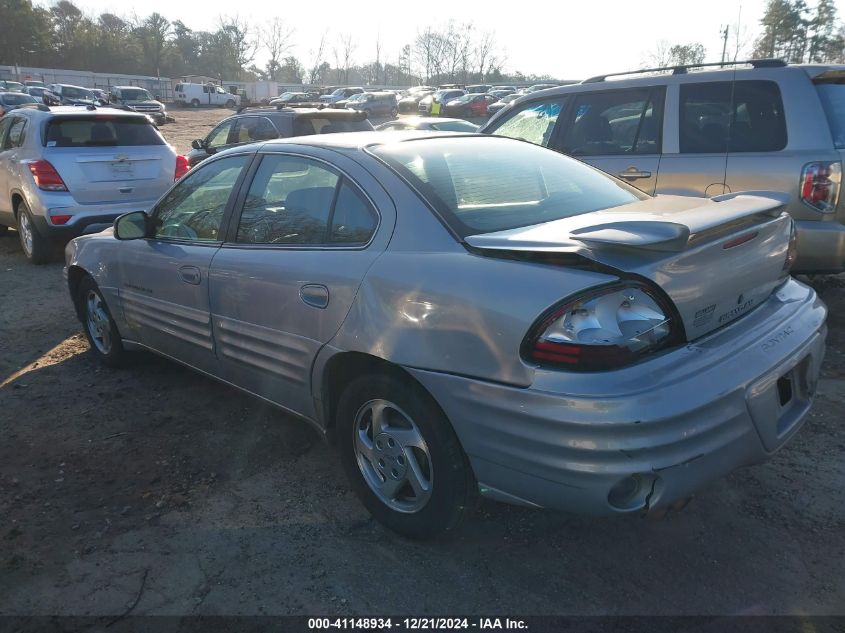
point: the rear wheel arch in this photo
(343, 367)
(17, 198)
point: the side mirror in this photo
(198, 143)
(132, 226)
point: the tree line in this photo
(63, 36)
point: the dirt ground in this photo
(157, 487)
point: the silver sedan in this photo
(470, 313)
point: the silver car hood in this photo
(717, 259)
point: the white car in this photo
(70, 170)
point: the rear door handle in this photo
(315, 295)
(633, 173)
(190, 275)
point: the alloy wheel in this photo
(392, 456)
(25, 227)
(97, 321)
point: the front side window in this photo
(252, 129)
(219, 136)
(482, 184)
(613, 123)
(193, 210)
(295, 200)
(534, 122)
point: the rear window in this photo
(101, 131)
(303, 126)
(487, 184)
(832, 96)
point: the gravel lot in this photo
(156, 484)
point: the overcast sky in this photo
(566, 39)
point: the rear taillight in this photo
(182, 167)
(792, 250)
(60, 220)
(603, 329)
(46, 177)
(820, 183)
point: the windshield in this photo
(832, 97)
(16, 98)
(463, 99)
(338, 92)
(135, 94)
(488, 184)
(71, 92)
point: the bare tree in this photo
(317, 59)
(240, 41)
(276, 38)
(347, 50)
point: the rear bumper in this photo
(660, 429)
(821, 247)
(85, 219)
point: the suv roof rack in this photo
(682, 69)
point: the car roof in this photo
(70, 111)
(361, 140)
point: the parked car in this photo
(434, 124)
(34, 83)
(12, 100)
(340, 94)
(66, 94)
(508, 89)
(375, 104)
(296, 99)
(341, 105)
(264, 124)
(36, 92)
(473, 105)
(622, 376)
(493, 108)
(763, 125)
(139, 100)
(66, 171)
(101, 95)
(411, 102)
(478, 88)
(538, 87)
(499, 94)
(7, 85)
(196, 95)
(433, 103)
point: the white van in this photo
(196, 95)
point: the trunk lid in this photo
(717, 259)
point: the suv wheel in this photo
(35, 247)
(402, 456)
(100, 329)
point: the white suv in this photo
(66, 171)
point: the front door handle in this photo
(632, 173)
(190, 275)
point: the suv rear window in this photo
(101, 131)
(305, 125)
(482, 184)
(832, 96)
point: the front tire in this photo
(195, 103)
(100, 329)
(230, 104)
(402, 456)
(36, 248)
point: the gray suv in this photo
(139, 100)
(763, 125)
(69, 170)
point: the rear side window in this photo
(303, 126)
(832, 96)
(724, 116)
(16, 134)
(617, 122)
(101, 131)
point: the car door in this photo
(164, 279)
(695, 152)
(301, 240)
(6, 167)
(618, 131)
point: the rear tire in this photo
(195, 103)
(402, 456)
(36, 248)
(100, 329)
(230, 104)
